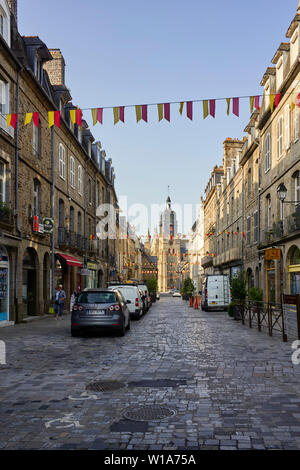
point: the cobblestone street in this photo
(231, 387)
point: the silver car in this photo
(100, 309)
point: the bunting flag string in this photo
(164, 110)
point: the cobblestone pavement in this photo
(231, 387)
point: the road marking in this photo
(83, 396)
(68, 419)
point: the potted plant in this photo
(188, 289)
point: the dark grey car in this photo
(100, 309)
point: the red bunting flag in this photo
(189, 109)
(277, 99)
(167, 111)
(100, 115)
(145, 112)
(13, 120)
(122, 113)
(57, 118)
(256, 102)
(35, 118)
(79, 117)
(212, 108)
(236, 106)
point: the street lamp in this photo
(282, 192)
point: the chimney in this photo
(13, 5)
(56, 67)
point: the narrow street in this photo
(231, 387)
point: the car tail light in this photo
(136, 302)
(115, 307)
(77, 307)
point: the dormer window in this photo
(90, 148)
(80, 134)
(5, 25)
(38, 68)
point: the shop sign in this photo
(48, 224)
(84, 272)
(37, 226)
(272, 254)
(92, 266)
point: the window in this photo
(255, 227)
(61, 213)
(2, 183)
(62, 162)
(4, 102)
(267, 152)
(90, 191)
(279, 137)
(1, 24)
(38, 68)
(80, 179)
(36, 139)
(296, 178)
(268, 212)
(98, 194)
(287, 126)
(79, 223)
(72, 172)
(36, 197)
(248, 230)
(249, 182)
(71, 221)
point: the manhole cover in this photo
(148, 413)
(109, 386)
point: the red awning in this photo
(70, 260)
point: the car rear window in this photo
(128, 292)
(97, 298)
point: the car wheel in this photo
(75, 333)
(121, 332)
(128, 325)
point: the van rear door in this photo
(215, 290)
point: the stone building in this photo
(56, 173)
(196, 246)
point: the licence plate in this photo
(96, 312)
(213, 303)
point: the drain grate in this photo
(148, 413)
(108, 386)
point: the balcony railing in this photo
(74, 241)
(290, 225)
(6, 214)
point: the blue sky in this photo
(132, 52)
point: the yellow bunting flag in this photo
(94, 116)
(116, 115)
(205, 109)
(160, 111)
(138, 111)
(8, 119)
(293, 106)
(51, 118)
(251, 104)
(272, 99)
(28, 118)
(228, 105)
(73, 116)
(181, 107)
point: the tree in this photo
(238, 287)
(188, 287)
(152, 284)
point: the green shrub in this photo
(255, 294)
(230, 309)
(152, 284)
(238, 288)
(188, 286)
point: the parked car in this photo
(100, 309)
(146, 295)
(215, 292)
(176, 293)
(133, 298)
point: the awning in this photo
(70, 260)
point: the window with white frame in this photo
(4, 26)
(62, 162)
(287, 133)
(90, 191)
(35, 139)
(4, 93)
(296, 178)
(1, 23)
(2, 183)
(36, 197)
(72, 172)
(267, 152)
(280, 137)
(255, 226)
(80, 179)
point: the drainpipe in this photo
(17, 197)
(53, 217)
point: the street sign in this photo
(48, 224)
(272, 254)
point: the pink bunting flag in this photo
(277, 99)
(35, 118)
(100, 115)
(189, 109)
(212, 108)
(145, 112)
(122, 113)
(236, 106)
(256, 102)
(167, 111)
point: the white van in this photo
(216, 292)
(133, 298)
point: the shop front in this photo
(294, 270)
(92, 277)
(4, 285)
(67, 273)
(29, 283)
(270, 281)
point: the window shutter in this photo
(287, 126)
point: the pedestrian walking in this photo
(72, 299)
(60, 297)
